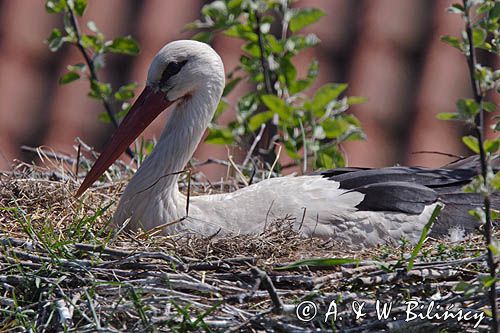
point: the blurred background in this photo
(387, 50)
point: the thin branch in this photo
(479, 129)
(161, 177)
(77, 164)
(271, 128)
(275, 162)
(265, 281)
(92, 70)
(304, 168)
(188, 197)
(254, 144)
(263, 61)
(437, 153)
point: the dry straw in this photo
(60, 268)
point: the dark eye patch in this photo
(173, 68)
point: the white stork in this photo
(360, 207)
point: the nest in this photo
(62, 269)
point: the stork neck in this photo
(180, 137)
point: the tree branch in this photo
(271, 129)
(93, 73)
(479, 129)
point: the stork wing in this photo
(410, 189)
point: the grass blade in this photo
(423, 235)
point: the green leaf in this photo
(277, 105)
(203, 36)
(221, 107)
(303, 17)
(492, 146)
(55, 40)
(234, 4)
(230, 86)
(76, 67)
(79, 6)
(495, 12)
(319, 262)
(423, 236)
(274, 44)
(216, 9)
(471, 142)
(485, 7)
(456, 9)
(467, 108)
(219, 136)
(325, 94)
(495, 182)
(91, 41)
(55, 6)
(69, 77)
(299, 85)
(242, 32)
(99, 90)
(478, 214)
(125, 92)
(257, 120)
(252, 49)
(489, 106)
(274, 103)
(447, 116)
(351, 119)
(478, 36)
(353, 100)
(493, 249)
(297, 43)
(329, 157)
(104, 117)
(334, 127)
(288, 69)
(291, 149)
(488, 280)
(124, 45)
(453, 41)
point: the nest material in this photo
(60, 269)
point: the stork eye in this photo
(173, 68)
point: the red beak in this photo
(146, 108)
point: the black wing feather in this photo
(410, 189)
(396, 196)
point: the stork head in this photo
(178, 70)
(181, 67)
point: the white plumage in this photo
(191, 74)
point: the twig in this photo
(264, 280)
(275, 161)
(254, 144)
(49, 154)
(303, 217)
(77, 164)
(188, 192)
(267, 215)
(263, 61)
(436, 153)
(272, 129)
(238, 171)
(304, 168)
(160, 178)
(92, 70)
